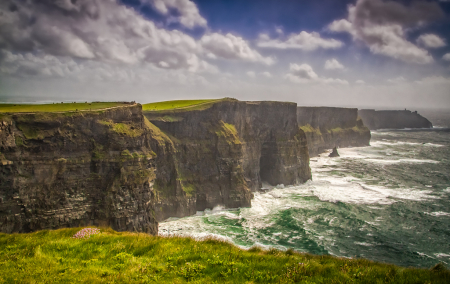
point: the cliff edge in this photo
(329, 127)
(225, 150)
(77, 169)
(128, 169)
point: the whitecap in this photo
(363, 244)
(407, 161)
(441, 255)
(437, 214)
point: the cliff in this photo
(77, 169)
(224, 151)
(120, 168)
(393, 119)
(329, 127)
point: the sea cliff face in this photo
(226, 151)
(76, 169)
(329, 127)
(123, 169)
(393, 119)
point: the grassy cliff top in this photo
(112, 257)
(180, 104)
(57, 107)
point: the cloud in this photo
(304, 41)
(433, 80)
(360, 82)
(382, 26)
(231, 47)
(397, 80)
(304, 73)
(188, 13)
(431, 41)
(251, 74)
(50, 69)
(333, 64)
(26, 65)
(267, 74)
(95, 30)
(446, 57)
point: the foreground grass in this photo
(57, 107)
(112, 257)
(174, 104)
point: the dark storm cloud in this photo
(46, 25)
(389, 12)
(382, 26)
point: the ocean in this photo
(389, 202)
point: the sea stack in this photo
(334, 153)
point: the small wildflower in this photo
(86, 233)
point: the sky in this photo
(348, 53)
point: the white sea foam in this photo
(259, 224)
(363, 244)
(349, 189)
(401, 143)
(437, 214)
(442, 255)
(406, 161)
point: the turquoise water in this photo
(389, 202)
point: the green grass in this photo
(111, 257)
(309, 129)
(228, 132)
(57, 107)
(122, 128)
(174, 104)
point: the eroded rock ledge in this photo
(77, 169)
(329, 127)
(224, 152)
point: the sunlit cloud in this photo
(304, 41)
(431, 41)
(333, 64)
(188, 14)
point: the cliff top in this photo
(59, 107)
(182, 105)
(179, 104)
(191, 105)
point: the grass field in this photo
(57, 107)
(167, 105)
(111, 257)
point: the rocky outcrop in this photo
(334, 153)
(76, 169)
(393, 119)
(225, 151)
(329, 127)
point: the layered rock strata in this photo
(77, 169)
(226, 151)
(329, 127)
(116, 168)
(393, 119)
